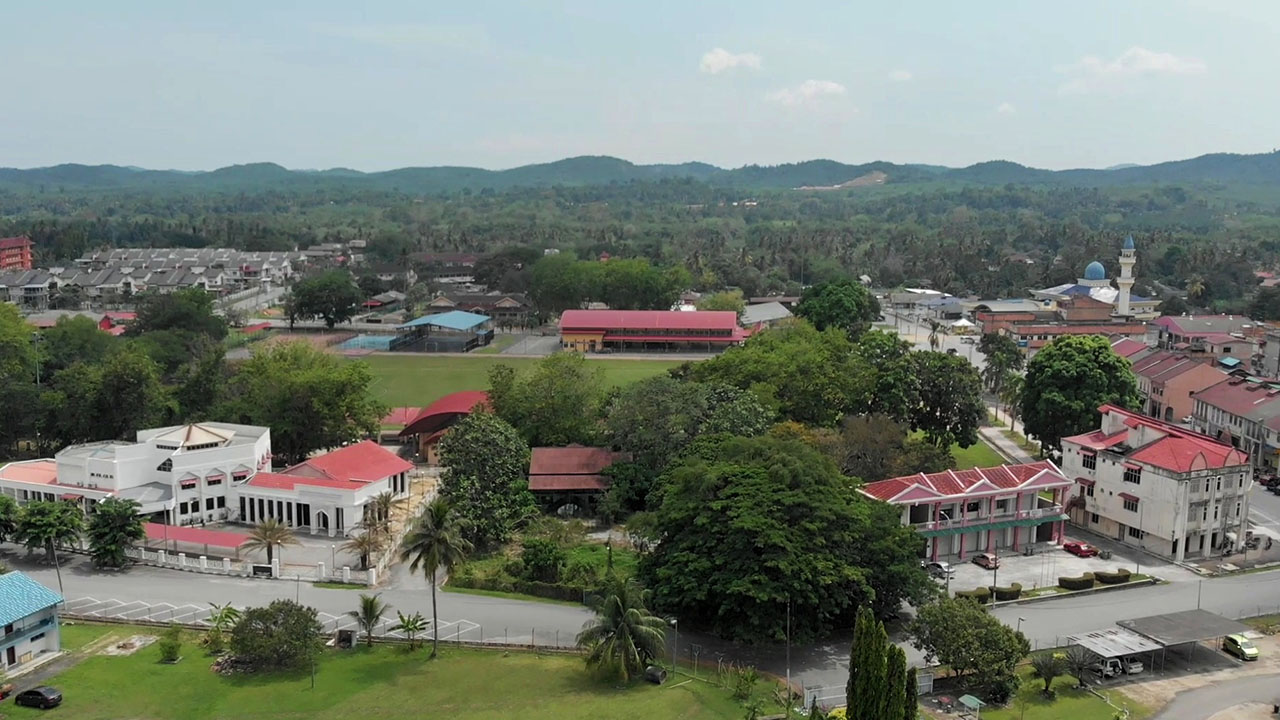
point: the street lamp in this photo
(1020, 621)
(675, 646)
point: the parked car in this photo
(1079, 549)
(1240, 646)
(1274, 489)
(986, 560)
(968, 340)
(43, 697)
(1112, 667)
(940, 569)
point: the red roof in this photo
(119, 315)
(279, 481)
(444, 412)
(567, 482)
(1168, 447)
(194, 535)
(401, 416)
(256, 327)
(1238, 396)
(953, 483)
(1128, 347)
(648, 320)
(1165, 365)
(364, 462)
(15, 242)
(571, 460)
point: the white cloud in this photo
(408, 35)
(1006, 108)
(718, 60)
(806, 92)
(900, 75)
(1092, 72)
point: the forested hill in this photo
(1220, 168)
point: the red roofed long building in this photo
(572, 474)
(600, 330)
(15, 253)
(980, 510)
(1157, 486)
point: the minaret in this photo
(1128, 256)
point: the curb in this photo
(1150, 580)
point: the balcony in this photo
(992, 522)
(29, 629)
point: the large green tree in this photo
(42, 525)
(485, 462)
(868, 680)
(557, 402)
(874, 447)
(131, 396)
(310, 399)
(844, 304)
(331, 296)
(281, 636)
(75, 338)
(747, 523)
(1066, 383)
(17, 352)
(1002, 357)
(959, 633)
(894, 387)
(114, 528)
(951, 408)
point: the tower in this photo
(1128, 257)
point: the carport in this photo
(1186, 629)
(1118, 643)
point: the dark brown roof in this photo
(567, 482)
(571, 460)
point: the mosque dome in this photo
(1095, 271)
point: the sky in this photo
(375, 85)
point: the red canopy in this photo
(194, 535)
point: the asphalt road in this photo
(1203, 702)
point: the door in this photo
(10, 656)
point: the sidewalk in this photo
(1004, 446)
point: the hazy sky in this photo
(372, 85)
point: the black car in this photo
(41, 697)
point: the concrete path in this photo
(1206, 701)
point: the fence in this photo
(245, 568)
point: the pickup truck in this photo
(1112, 667)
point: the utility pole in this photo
(788, 654)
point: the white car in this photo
(939, 569)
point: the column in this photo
(991, 534)
(961, 513)
(937, 509)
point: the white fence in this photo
(245, 568)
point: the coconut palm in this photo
(365, 545)
(268, 534)
(624, 636)
(934, 340)
(379, 519)
(1011, 395)
(369, 614)
(435, 543)
(410, 625)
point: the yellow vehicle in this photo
(1240, 646)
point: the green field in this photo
(402, 380)
(979, 455)
(1069, 703)
(379, 683)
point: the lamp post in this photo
(675, 646)
(36, 339)
(1019, 627)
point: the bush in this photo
(1084, 582)
(513, 567)
(1012, 592)
(170, 644)
(281, 636)
(542, 559)
(980, 595)
(581, 571)
(214, 641)
(1119, 577)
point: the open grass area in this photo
(384, 682)
(979, 454)
(417, 380)
(500, 343)
(1068, 704)
(79, 635)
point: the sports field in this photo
(403, 380)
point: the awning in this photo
(71, 496)
(1086, 482)
(1130, 498)
(1024, 522)
(1132, 466)
(1087, 451)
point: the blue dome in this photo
(1095, 271)
(1128, 243)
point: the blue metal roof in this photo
(21, 596)
(1229, 361)
(452, 320)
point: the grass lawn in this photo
(77, 636)
(380, 683)
(500, 343)
(493, 567)
(1069, 704)
(979, 454)
(417, 380)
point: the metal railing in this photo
(977, 520)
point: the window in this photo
(1089, 460)
(1133, 475)
(222, 502)
(208, 503)
(1135, 533)
(37, 636)
(1093, 518)
(213, 481)
(1002, 505)
(1089, 491)
(1204, 512)
(1219, 479)
(166, 466)
(1131, 505)
(971, 507)
(182, 509)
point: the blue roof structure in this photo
(1229, 361)
(1095, 271)
(21, 596)
(452, 320)
(1128, 243)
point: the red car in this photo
(1079, 549)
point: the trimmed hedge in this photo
(1084, 582)
(981, 595)
(551, 591)
(1012, 592)
(1119, 577)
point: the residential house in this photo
(28, 289)
(1244, 412)
(15, 253)
(443, 264)
(29, 615)
(508, 310)
(1130, 348)
(961, 512)
(764, 315)
(572, 475)
(1153, 485)
(1183, 332)
(1167, 380)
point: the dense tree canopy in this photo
(961, 634)
(951, 407)
(1066, 383)
(114, 528)
(331, 296)
(484, 480)
(746, 524)
(560, 282)
(281, 636)
(844, 304)
(556, 403)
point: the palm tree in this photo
(624, 636)
(435, 543)
(1195, 287)
(410, 625)
(369, 614)
(365, 545)
(380, 511)
(1077, 663)
(934, 340)
(267, 534)
(1046, 666)
(1011, 395)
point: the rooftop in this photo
(15, 242)
(1158, 444)
(20, 596)
(1165, 365)
(1128, 347)
(1114, 642)
(1184, 627)
(1250, 397)
(571, 460)
(648, 320)
(764, 312)
(956, 483)
(452, 320)
(363, 462)
(444, 411)
(1196, 325)
(280, 481)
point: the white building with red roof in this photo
(602, 330)
(1157, 486)
(980, 510)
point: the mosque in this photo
(1125, 306)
